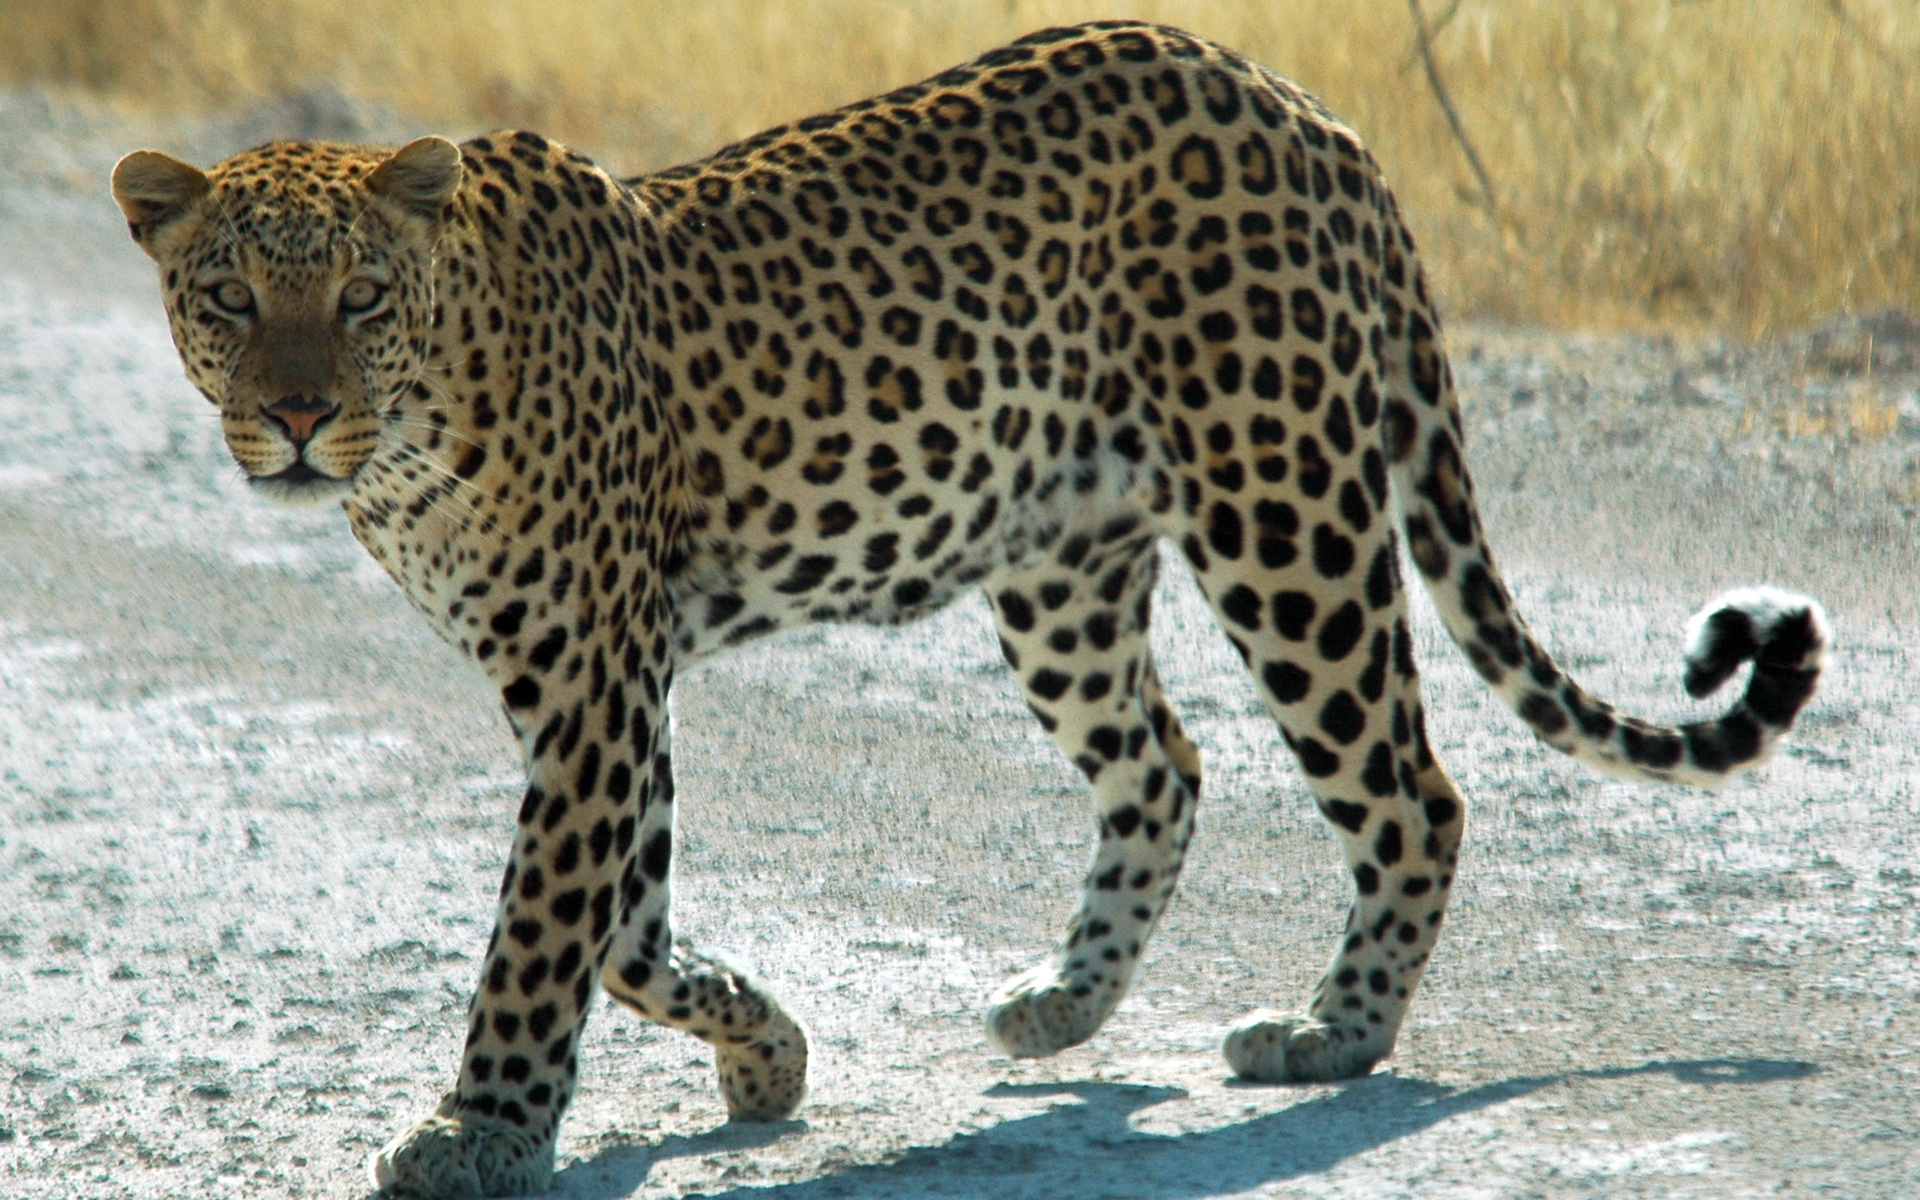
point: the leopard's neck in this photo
(536, 433)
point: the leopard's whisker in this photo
(446, 487)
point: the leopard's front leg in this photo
(591, 723)
(759, 1050)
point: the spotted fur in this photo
(1006, 328)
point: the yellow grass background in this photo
(1738, 165)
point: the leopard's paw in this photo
(1270, 1047)
(1036, 1013)
(452, 1157)
(765, 1079)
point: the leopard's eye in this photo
(360, 295)
(231, 296)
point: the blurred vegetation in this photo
(1734, 165)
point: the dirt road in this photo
(252, 818)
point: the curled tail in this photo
(1783, 634)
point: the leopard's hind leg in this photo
(1075, 631)
(1312, 599)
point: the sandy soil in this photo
(252, 816)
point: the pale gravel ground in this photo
(252, 817)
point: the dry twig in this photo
(1433, 30)
(1424, 34)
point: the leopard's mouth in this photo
(300, 485)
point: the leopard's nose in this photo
(299, 416)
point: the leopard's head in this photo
(298, 280)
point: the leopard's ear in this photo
(154, 190)
(421, 177)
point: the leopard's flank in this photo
(1008, 328)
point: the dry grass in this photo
(1743, 165)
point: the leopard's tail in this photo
(1783, 634)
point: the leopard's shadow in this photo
(1092, 1144)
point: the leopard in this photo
(1107, 289)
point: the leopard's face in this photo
(298, 281)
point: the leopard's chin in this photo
(300, 486)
